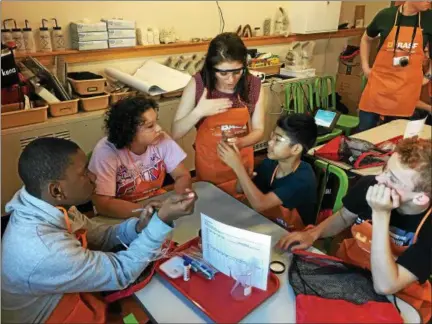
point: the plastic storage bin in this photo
(13, 116)
(64, 108)
(92, 103)
(86, 83)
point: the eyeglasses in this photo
(233, 72)
(278, 138)
(392, 180)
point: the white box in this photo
(119, 24)
(307, 73)
(314, 16)
(122, 42)
(121, 33)
(89, 36)
(92, 45)
(82, 28)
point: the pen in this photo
(196, 266)
(124, 244)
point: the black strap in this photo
(398, 24)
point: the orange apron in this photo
(287, 218)
(394, 90)
(78, 307)
(143, 188)
(210, 133)
(356, 251)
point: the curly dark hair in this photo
(123, 118)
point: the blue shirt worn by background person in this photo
(297, 190)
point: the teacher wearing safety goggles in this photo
(395, 81)
(224, 102)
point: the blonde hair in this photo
(416, 153)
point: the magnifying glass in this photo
(277, 267)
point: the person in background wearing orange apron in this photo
(55, 259)
(391, 226)
(396, 78)
(224, 102)
(284, 187)
(132, 161)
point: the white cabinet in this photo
(307, 17)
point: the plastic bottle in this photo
(6, 33)
(150, 36)
(44, 38)
(29, 41)
(18, 38)
(58, 40)
(156, 39)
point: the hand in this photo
(209, 107)
(144, 219)
(229, 154)
(425, 81)
(382, 199)
(366, 71)
(297, 240)
(177, 205)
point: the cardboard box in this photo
(89, 36)
(121, 33)
(92, 45)
(122, 42)
(350, 89)
(83, 28)
(119, 24)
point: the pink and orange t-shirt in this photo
(120, 171)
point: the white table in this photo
(376, 135)
(164, 304)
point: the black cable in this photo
(221, 17)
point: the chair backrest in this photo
(296, 94)
(323, 170)
(322, 92)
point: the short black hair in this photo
(123, 118)
(45, 159)
(300, 129)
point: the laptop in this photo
(326, 120)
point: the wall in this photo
(190, 19)
(371, 9)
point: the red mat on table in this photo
(213, 296)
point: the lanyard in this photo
(398, 23)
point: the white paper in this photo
(414, 128)
(224, 246)
(153, 78)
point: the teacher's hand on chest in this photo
(209, 107)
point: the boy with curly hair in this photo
(391, 226)
(132, 161)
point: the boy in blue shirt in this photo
(284, 188)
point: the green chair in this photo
(346, 123)
(295, 95)
(89, 155)
(323, 170)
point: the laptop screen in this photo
(324, 117)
